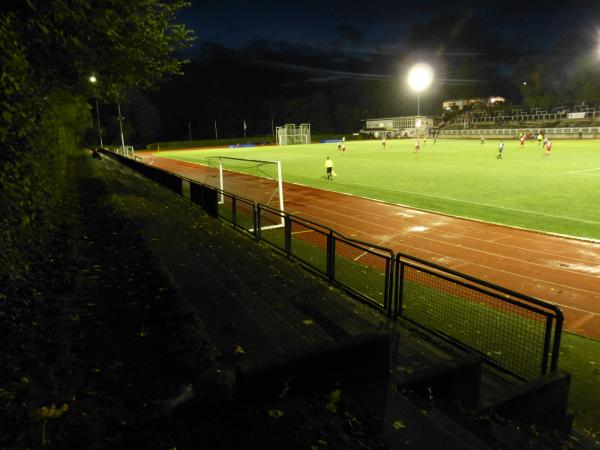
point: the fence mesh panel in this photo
(362, 270)
(510, 335)
(244, 214)
(225, 206)
(270, 230)
(309, 245)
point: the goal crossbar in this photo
(223, 167)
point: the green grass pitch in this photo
(553, 193)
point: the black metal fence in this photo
(514, 332)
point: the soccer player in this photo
(500, 150)
(548, 147)
(383, 142)
(329, 168)
(522, 141)
(482, 140)
(539, 139)
(417, 147)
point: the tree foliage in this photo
(48, 51)
(567, 73)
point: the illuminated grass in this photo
(458, 177)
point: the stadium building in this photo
(461, 104)
(405, 126)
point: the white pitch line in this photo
(582, 170)
(478, 204)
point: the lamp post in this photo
(420, 77)
(120, 118)
(92, 79)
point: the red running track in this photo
(556, 269)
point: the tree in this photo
(47, 52)
(128, 43)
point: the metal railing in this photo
(358, 267)
(514, 332)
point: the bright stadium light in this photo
(92, 79)
(420, 76)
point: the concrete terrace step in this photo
(407, 425)
(264, 302)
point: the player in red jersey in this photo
(548, 147)
(417, 146)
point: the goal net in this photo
(254, 179)
(290, 134)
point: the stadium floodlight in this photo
(420, 77)
(92, 79)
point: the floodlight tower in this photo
(420, 77)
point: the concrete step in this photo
(291, 327)
(407, 425)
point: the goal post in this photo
(255, 179)
(291, 134)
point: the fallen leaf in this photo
(335, 396)
(238, 350)
(398, 425)
(275, 413)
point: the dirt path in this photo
(556, 269)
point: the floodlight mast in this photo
(420, 77)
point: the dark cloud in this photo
(349, 34)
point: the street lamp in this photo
(120, 118)
(92, 79)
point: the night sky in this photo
(333, 62)
(382, 26)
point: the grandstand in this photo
(578, 120)
(578, 115)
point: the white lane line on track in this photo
(303, 231)
(369, 249)
(438, 241)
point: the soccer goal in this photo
(254, 179)
(126, 151)
(290, 134)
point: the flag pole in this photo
(216, 132)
